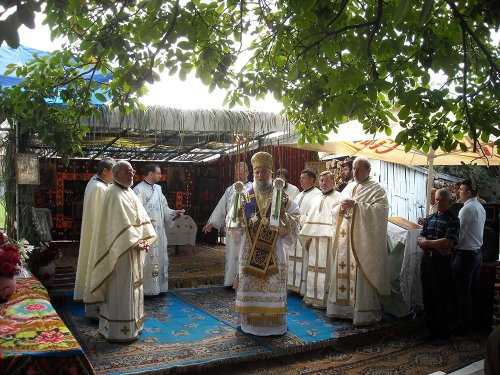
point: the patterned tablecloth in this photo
(33, 336)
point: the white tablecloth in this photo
(409, 276)
(183, 232)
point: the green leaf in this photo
(85, 23)
(206, 77)
(184, 45)
(8, 29)
(74, 6)
(26, 15)
(401, 138)
(404, 113)
(100, 97)
(485, 137)
(424, 14)
(307, 4)
(401, 11)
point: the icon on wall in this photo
(27, 171)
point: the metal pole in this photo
(17, 185)
(430, 180)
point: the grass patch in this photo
(2, 213)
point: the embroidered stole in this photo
(262, 261)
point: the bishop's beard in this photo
(263, 186)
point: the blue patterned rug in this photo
(191, 329)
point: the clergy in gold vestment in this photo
(360, 270)
(123, 234)
(266, 219)
(317, 235)
(91, 206)
(297, 255)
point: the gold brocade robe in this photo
(261, 300)
(360, 268)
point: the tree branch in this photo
(163, 40)
(464, 84)
(464, 25)
(376, 27)
(343, 5)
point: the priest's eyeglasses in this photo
(130, 172)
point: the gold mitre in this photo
(262, 159)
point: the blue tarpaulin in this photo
(22, 55)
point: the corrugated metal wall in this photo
(406, 189)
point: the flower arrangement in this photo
(42, 255)
(40, 261)
(10, 260)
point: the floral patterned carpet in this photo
(372, 354)
(195, 329)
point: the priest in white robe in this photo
(218, 220)
(123, 235)
(317, 237)
(91, 205)
(291, 190)
(265, 220)
(297, 256)
(155, 203)
(360, 272)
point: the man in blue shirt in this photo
(438, 237)
(468, 256)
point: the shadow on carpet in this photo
(190, 330)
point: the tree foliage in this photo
(327, 61)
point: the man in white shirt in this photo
(468, 255)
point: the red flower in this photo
(10, 248)
(8, 330)
(9, 260)
(35, 307)
(50, 337)
(7, 268)
(2, 238)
